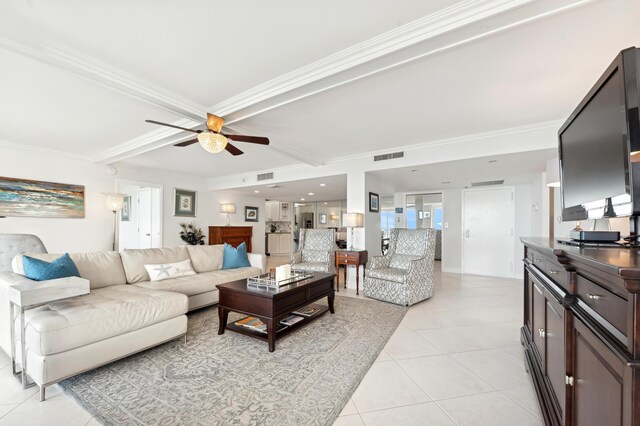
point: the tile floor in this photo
(455, 359)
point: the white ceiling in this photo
(513, 168)
(205, 53)
(335, 188)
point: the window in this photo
(437, 218)
(411, 218)
(387, 218)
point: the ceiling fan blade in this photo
(214, 122)
(251, 139)
(233, 150)
(171, 125)
(187, 143)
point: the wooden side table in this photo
(351, 257)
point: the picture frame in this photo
(185, 202)
(427, 215)
(125, 213)
(374, 202)
(35, 198)
(250, 214)
(323, 219)
(399, 210)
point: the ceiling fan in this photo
(212, 139)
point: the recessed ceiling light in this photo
(256, 191)
(301, 199)
(445, 182)
(325, 204)
(311, 193)
(323, 184)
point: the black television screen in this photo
(595, 148)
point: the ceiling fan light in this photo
(212, 142)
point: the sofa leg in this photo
(185, 338)
(42, 393)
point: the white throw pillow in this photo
(165, 271)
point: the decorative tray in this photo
(268, 280)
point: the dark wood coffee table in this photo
(273, 305)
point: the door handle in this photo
(148, 235)
(541, 332)
(467, 234)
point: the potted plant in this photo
(191, 235)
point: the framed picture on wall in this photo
(250, 214)
(427, 215)
(374, 202)
(185, 203)
(323, 219)
(125, 213)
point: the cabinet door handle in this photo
(553, 271)
(594, 296)
(541, 332)
(537, 260)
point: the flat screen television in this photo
(599, 146)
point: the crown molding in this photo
(106, 75)
(32, 148)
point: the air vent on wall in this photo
(488, 183)
(265, 176)
(391, 156)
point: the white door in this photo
(487, 233)
(145, 223)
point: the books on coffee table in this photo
(307, 311)
(291, 319)
(253, 323)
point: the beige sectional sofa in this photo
(124, 313)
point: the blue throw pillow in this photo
(235, 257)
(40, 270)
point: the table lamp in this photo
(352, 220)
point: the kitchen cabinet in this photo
(273, 242)
(279, 243)
(285, 211)
(273, 211)
(285, 243)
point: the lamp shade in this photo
(227, 208)
(353, 220)
(114, 201)
(553, 172)
(212, 142)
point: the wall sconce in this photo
(228, 208)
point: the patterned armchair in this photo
(404, 275)
(316, 252)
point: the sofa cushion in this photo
(165, 271)
(402, 261)
(201, 283)
(134, 260)
(235, 257)
(387, 274)
(41, 270)
(104, 313)
(102, 268)
(206, 258)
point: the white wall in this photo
(525, 216)
(95, 231)
(128, 231)
(373, 233)
(452, 230)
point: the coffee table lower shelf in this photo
(283, 330)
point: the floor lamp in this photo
(115, 203)
(352, 220)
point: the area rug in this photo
(232, 379)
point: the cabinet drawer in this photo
(556, 272)
(347, 257)
(611, 307)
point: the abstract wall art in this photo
(32, 198)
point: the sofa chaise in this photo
(124, 312)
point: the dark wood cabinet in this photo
(581, 332)
(233, 235)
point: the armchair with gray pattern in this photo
(404, 275)
(316, 251)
